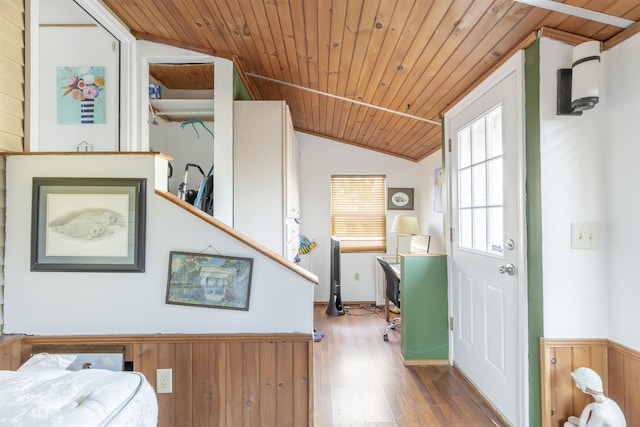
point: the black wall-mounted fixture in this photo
(577, 88)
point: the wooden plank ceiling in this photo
(413, 57)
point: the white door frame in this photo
(513, 64)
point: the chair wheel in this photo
(385, 337)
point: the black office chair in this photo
(392, 293)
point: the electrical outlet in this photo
(585, 235)
(357, 276)
(164, 381)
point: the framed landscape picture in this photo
(214, 281)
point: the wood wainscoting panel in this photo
(624, 381)
(219, 380)
(559, 357)
(10, 352)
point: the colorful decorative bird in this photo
(305, 245)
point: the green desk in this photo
(424, 309)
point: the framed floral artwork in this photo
(80, 95)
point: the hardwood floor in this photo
(359, 380)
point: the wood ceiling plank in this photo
(439, 18)
(403, 70)
(235, 25)
(461, 25)
(280, 19)
(265, 33)
(130, 13)
(124, 13)
(388, 26)
(349, 53)
(324, 39)
(397, 27)
(386, 22)
(336, 46)
(299, 32)
(323, 19)
(184, 76)
(628, 9)
(310, 19)
(411, 46)
(214, 27)
(289, 58)
(584, 27)
(296, 62)
(182, 28)
(278, 36)
(419, 150)
(156, 22)
(503, 47)
(297, 27)
(349, 66)
(378, 26)
(197, 26)
(466, 62)
(364, 32)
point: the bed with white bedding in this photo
(46, 394)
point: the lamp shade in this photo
(585, 77)
(405, 225)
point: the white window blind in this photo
(358, 212)
(12, 77)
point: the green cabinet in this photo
(424, 309)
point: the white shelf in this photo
(183, 108)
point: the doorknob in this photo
(510, 269)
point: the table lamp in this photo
(404, 225)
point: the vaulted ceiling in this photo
(373, 73)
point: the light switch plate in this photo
(585, 235)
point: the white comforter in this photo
(85, 398)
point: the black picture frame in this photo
(213, 281)
(400, 199)
(88, 224)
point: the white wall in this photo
(53, 46)
(431, 221)
(68, 303)
(621, 145)
(573, 191)
(319, 159)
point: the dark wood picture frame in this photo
(88, 224)
(400, 199)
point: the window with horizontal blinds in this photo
(358, 212)
(12, 77)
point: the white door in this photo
(487, 248)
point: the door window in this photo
(480, 203)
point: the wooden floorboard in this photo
(359, 380)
